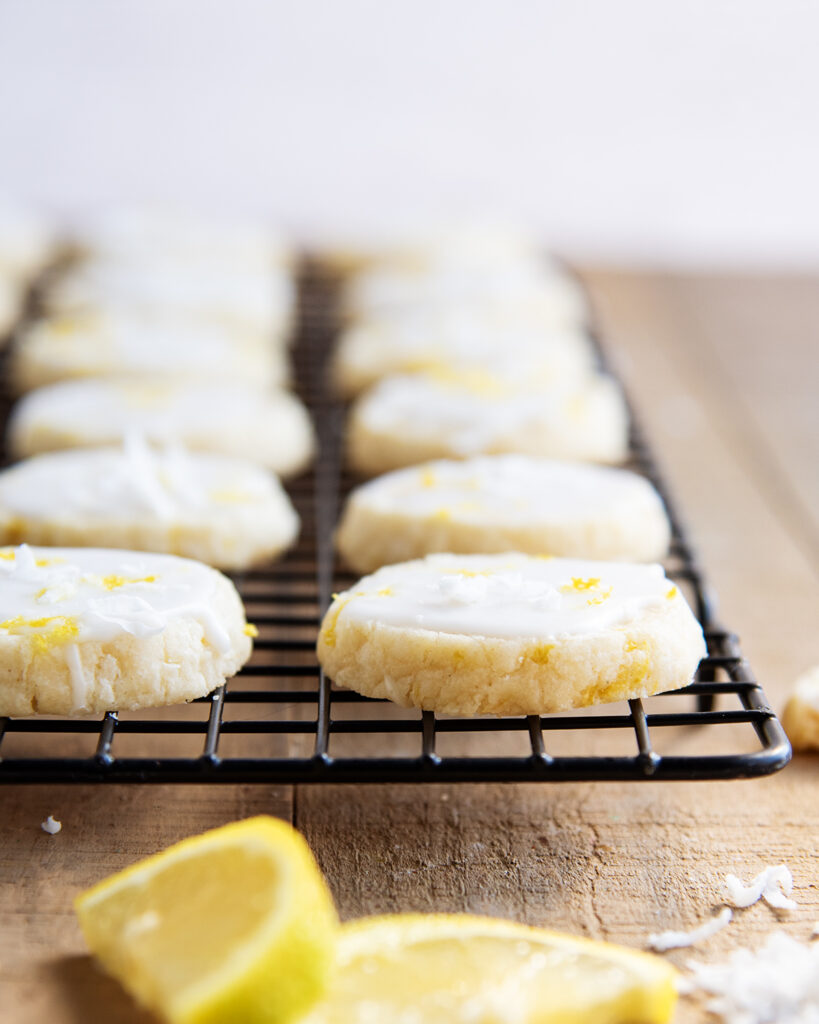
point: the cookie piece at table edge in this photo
(800, 717)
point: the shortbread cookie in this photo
(174, 236)
(249, 299)
(497, 503)
(114, 343)
(85, 630)
(457, 342)
(525, 285)
(225, 511)
(405, 420)
(416, 247)
(801, 715)
(510, 634)
(271, 428)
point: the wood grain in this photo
(722, 370)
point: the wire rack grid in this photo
(280, 720)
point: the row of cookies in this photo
(152, 426)
(480, 375)
(162, 386)
(471, 343)
(166, 296)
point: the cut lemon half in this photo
(236, 925)
(434, 969)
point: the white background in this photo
(639, 130)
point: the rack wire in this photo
(281, 720)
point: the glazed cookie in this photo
(405, 420)
(413, 247)
(248, 299)
(176, 237)
(527, 286)
(498, 503)
(801, 715)
(457, 342)
(268, 427)
(224, 511)
(510, 634)
(112, 343)
(84, 630)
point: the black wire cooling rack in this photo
(280, 720)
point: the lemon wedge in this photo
(236, 925)
(457, 969)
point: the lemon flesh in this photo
(235, 925)
(414, 969)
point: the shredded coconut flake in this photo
(51, 825)
(676, 940)
(774, 885)
(776, 984)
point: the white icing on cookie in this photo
(517, 283)
(63, 596)
(258, 297)
(508, 596)
(134, 481)
(166, 344)
(481, 412)
(461, 339)
(148, 235)
(271, 427)
(516, 489)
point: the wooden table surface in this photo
(723, 370)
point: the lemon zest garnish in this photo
(634, 671)
(636, 645)
(672, 593)
(59, 630)
(540, 653)
(8, 554)
(113, 582)
(442, 514)
(604, 595)
(578, 583)
(471, 574)
(385, 592)
(328, 630)
(428, 478)
(251, 630)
